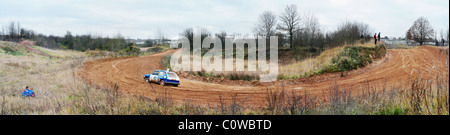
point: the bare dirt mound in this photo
(393, 71)
(29, 45)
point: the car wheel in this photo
(162, 83)
(146, 80)
(176, 85)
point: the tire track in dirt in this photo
(392, 72)
(114, 64)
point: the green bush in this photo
(355, 57)
(131, 50)
(389, 110)
(242, 76)
(11, 50)
(300, 53)
(155, 50)
(165, 61)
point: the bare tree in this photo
(350, 32)
(189, 33)
(12, 29)
(408, 36)
(2, 34)
(290, 20)
(149, 43)
(281, 39)
(222, 36)
(364, 29)
(311, 23)
(204, 33)
(18, 29)
(266, 25)
(160, 36)
(69, 40)
(448, 35)
(311, 28)
(420, 31)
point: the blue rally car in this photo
(163, 77)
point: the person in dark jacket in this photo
(379, 36)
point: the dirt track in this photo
(392, 71)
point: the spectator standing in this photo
(379, 36)
(375, 37)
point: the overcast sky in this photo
(141, 18)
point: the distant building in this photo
(136, 41)
(403, 41)
(394, 41)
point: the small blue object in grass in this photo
(28, 93)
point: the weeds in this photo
(275, 100)
(444, 50)
(165, 61)
(233, 108)
(157, 49)
(3, 106)
(422, 97)
(113, 95)
(165, 101)
(294, 103)
(11, 51)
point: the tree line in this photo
(304, 30)
(13, 32)
(296, 30)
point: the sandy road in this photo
(393, 71)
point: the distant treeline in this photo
(295, 31)
(347, 33)
(15, 33)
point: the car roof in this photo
(161, 71)
(164, 71)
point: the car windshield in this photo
(172, 75)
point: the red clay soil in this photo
(29, 45)
(392, 71)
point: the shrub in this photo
(131, 50)
(155, 50)
(165, 61)
(242, 76)
(354, 57)
(11, 50)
